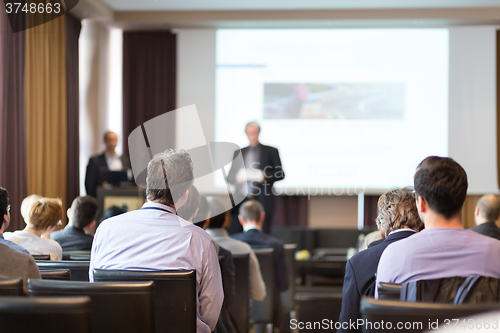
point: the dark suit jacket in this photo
(96, 165)
(73, 239)
(228, 285)
(258, 239)
(270, 163)
(359, 278)
(488, 229)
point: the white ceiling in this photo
(153, 5)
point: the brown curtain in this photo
(498, 107)
(12, 119)
(291, 211)
(45, 84)
(149, 79)
(468, 209)
(73, 28)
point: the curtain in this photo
(149, 79)
(12, 119)
(46, 121)
(73, 28)
(291, 211)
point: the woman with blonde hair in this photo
(43, 217)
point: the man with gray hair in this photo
(156, 238)
(486, 213)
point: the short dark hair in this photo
(187, 210)
(83, 211)
(202, 214)
(217, 218)
(4, 202)
(112, 211)
(442, 183)
(251, 211)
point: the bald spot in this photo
(489, 207)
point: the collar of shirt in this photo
(1, 236)
(218, 232)
(252, 227)
(160, 206)
(399, 230)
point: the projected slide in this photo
(349, 110)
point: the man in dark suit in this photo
(78, 235)
(107, 161)
(251, 217)
(486, 213)
(398, 218)
(262, 168)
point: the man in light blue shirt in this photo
(155, 238)
(444, 249)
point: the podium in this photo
(128, 198)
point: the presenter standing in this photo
(107, 161)
(262, 167)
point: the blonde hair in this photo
(26, 205)
(45, 213)
(397, 209)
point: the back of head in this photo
(251, 211)
(202, 214)
(187, 210)
(442, 183)
(217, 213)
(112, 211)
(26, 204)
(396, 210)
(489, 207)
(45, 213)
(169, 175)
(4, 202)
(83, 211)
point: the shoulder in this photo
(269, 149)
(57, 234)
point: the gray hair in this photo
(251, 210)
(170, 174)
(253, 123)
(397, 209)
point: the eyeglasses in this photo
(8, 208)
(59, 224)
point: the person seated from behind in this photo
(486, 213)
(251, 217)
(397, 219)
(444, 248)
(79, 233)
(15, 264)
(112, 211)
(44, 216)
(218, 221)
(4, 224)
(26, 204)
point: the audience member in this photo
(251, 218)
(397, 219)
(444, 248)
(44, 215)
(112, 211)
(217, 224)
(5, 207)
(190, 208)
(14, 264)
(79, 233)
(155, 238)
(26, 204)
(486, 213)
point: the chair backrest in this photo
(56, 274)
(11, 287)
(288, 297)
(412, 316)
(67, 254)
(389, 291)
(240, 310)
(80, 257)
(78, 270)
(336, 238)
(41, 256)
(174, 296)
(45, 314)
(262, 311)
(116, 307)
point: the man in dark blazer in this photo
(251, 217)
(486, 213)
(398, 218)
(107, 161)
(266, 162)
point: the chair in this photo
(56, 274)
(67, 254)
(431, 291)
(78, 270)
(389, 291)
(288, 297)
(45, 314)
(240, 310)
(115, 307)
(80, 257)
(414, 317)
(174, 296)
(11, 287)
(41, 256)
(262, 312)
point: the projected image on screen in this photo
(348, 109)
(334, 101)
